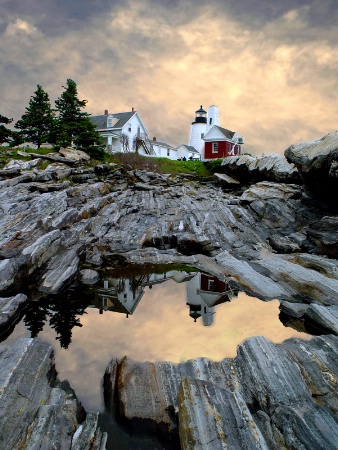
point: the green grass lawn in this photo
(170, 166)
(8, 153)
(161, 165)
(136, 161)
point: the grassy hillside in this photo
(136, 161)
(161, 165)
(8, 153)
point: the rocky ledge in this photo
(268, 397)
(271, 239)
(317, 163)
(38, 410)
(248, 169)
(10, 309)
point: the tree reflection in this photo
(62, 313)
(36, 317)
(64, 318)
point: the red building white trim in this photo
(220, 143)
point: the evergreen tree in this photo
(16, 139)
(64, 317)
(36, 317)
(74, 125)
(36, 124)
(5, 133)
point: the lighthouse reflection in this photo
(203, 293)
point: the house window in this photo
(202, 135)
(210, 121)
(215, 147)
(110, 122)
(168, 152)
(211, 285)
(129, 127)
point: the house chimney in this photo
(132, 109)
(106, 112)
(154, 138)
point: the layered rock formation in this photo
(37, 410)
(62, 225)
(248, 169)
(317, 163)
(10, 309)
(268, 397)
(50, 234)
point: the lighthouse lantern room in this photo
(201, 125)
(198, 129)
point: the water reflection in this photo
(203, 293)
(62, 315)
(122, 295)
(93, 319)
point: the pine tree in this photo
(73, 125)
(5, 133)
(36, 125)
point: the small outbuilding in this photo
(163, 150)
(187, 152)
(220, 143)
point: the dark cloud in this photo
(263, 63)
(257, 13)
(323, 13)
(54, 17)
(252, 14)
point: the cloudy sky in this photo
(271, 66)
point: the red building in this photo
(220, 143)
(214, 284)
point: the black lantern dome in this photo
(201, 115)
(195, 315)
(195, 311)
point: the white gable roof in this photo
(189, 148)
(219, 133)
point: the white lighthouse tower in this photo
(198, 130)
(213, 117)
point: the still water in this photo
(173, 316)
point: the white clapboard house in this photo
(123, 132)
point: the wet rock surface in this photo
(317, 163)
(10, 309)
(37, 410)
(269, 396)
(247, 168)
(226, 181)
(62, 225)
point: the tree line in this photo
(63, 126)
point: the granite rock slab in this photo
(10, 309)
(316, 162)
(37, 410)
(269, 396)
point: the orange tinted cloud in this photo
(159, 329)
(275, 84)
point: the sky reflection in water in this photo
(159, 329)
